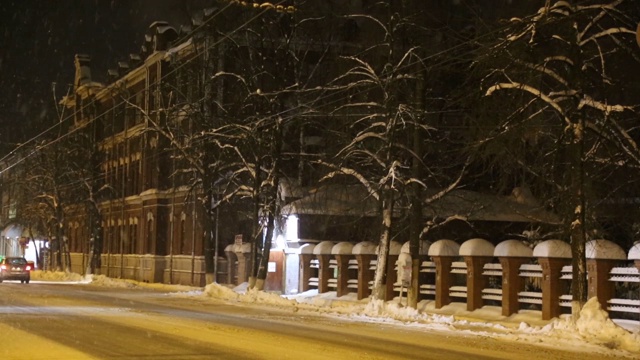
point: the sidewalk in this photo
(457, 311)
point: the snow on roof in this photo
(365, 247)
(476, 247)
(473, 206)
(176, 49)
(342, 248)
(307, 248)
(323, 247)
(444, 247)
(634, 252)
(552, 249)
(512, 248)
(336, 201)
(604, 249)
(163, 29)
(231, 254)
(423, 247)
(476, 206)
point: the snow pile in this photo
(261, 297)
(328, 302)
(395, 310)
(375, 308)
(57, 276)
(101, 280)
(241, 293)
(366, 309)
(595, 326)
(220, 292)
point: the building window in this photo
(133, 237)
(149, 237)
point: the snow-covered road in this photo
(82, 321)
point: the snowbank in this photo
(102, 280)
(243, 294)
(57, 276)
(595, 327)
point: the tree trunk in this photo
(273, 207)
(67, 254)
(256, 237)
(578, 225)
(378, 292)
(59, 253)
(266, 251)
(416, 221)
(96, 244)
(209, 243)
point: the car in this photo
(15, 268)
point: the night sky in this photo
(38, 41)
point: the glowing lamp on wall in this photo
(291, 228)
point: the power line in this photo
(184, 64)
(156, 82)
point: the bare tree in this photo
(561, 65)
(48, 179)
(221, 116)
(375, 152)
(89, 186)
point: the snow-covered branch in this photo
(533, 91)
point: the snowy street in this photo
(93, 321)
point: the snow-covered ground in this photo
(592, 332)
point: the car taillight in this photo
(27, 268)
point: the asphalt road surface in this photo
(70, 321)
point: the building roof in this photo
(469, 205)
